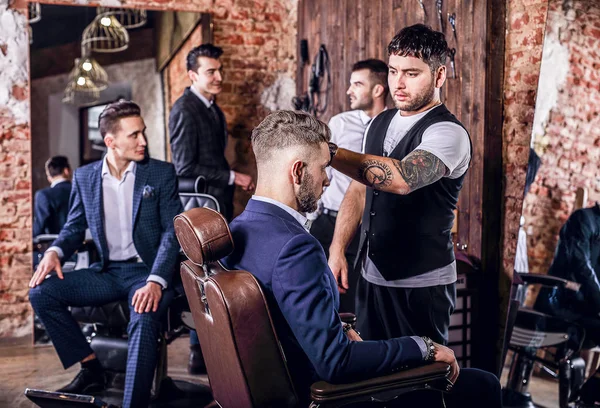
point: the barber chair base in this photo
(513, 399)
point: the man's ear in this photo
(377, 91)
(298, 171)
(192, 75)
(440, 76)
(109, 141)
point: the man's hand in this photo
(446, 355)
(353, 335)
(244, 181)
(146, 298)
(50, 262)
(339, 267)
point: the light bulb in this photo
(81, 81)
(105, 21)
(87, 66)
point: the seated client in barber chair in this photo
(128, 202)
(577, 258)
(271, 241)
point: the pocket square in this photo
(148, 192)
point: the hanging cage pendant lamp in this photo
(86, 81)
(105, 34)
(129, 18)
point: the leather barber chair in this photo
(245, 363)
(534, 330)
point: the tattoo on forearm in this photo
(376, 174)
(420, 168)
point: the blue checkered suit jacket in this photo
(155, 203)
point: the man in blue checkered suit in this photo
(128, 202)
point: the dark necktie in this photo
(214, 114)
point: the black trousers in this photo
(473, 389)
(322, 229)
(383, 312)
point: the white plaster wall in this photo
(553, 73)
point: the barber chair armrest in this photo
(348, 318)
(44, 238)
(191, 185)
(432, 376)
(550, 281)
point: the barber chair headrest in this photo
(191, 185)
(203, 235)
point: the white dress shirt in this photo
(58, 180)
(347, 131)
(117, 200)
(302, 220)
(209, 104)
(449, 142)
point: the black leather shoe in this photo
(85, 382)
(196, 364)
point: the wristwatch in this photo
(430, 348)
(333, 148)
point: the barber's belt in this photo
(134, 259)
(329, 212)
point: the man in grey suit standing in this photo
(198, 130)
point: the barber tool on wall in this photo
(452, 21)
(423, 8)
(451, 54)
(438, 5)
(316, 99)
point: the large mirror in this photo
(82, 58)
(558, 319)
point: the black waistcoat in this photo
(409, 235)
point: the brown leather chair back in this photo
(243, 357)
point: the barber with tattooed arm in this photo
(405, 188)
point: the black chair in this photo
(192, 192)
(534, 330)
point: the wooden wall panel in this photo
(357, 29)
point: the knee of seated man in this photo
(38, 298)
(481, 382)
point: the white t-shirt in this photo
(449, 142)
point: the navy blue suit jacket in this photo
(291, 267)
(51, 208)
(155, 203)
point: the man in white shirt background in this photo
(368, 92)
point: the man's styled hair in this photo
(203, 50)
(108, 121)
(378, 72)
(56, 165)
(285, 128)
(420, 41)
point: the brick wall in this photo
(259, 40)
(569, 142)
(526, 21)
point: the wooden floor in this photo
(23, 366)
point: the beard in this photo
(420, 100)
(307, 199)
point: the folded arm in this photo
(418, 169)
